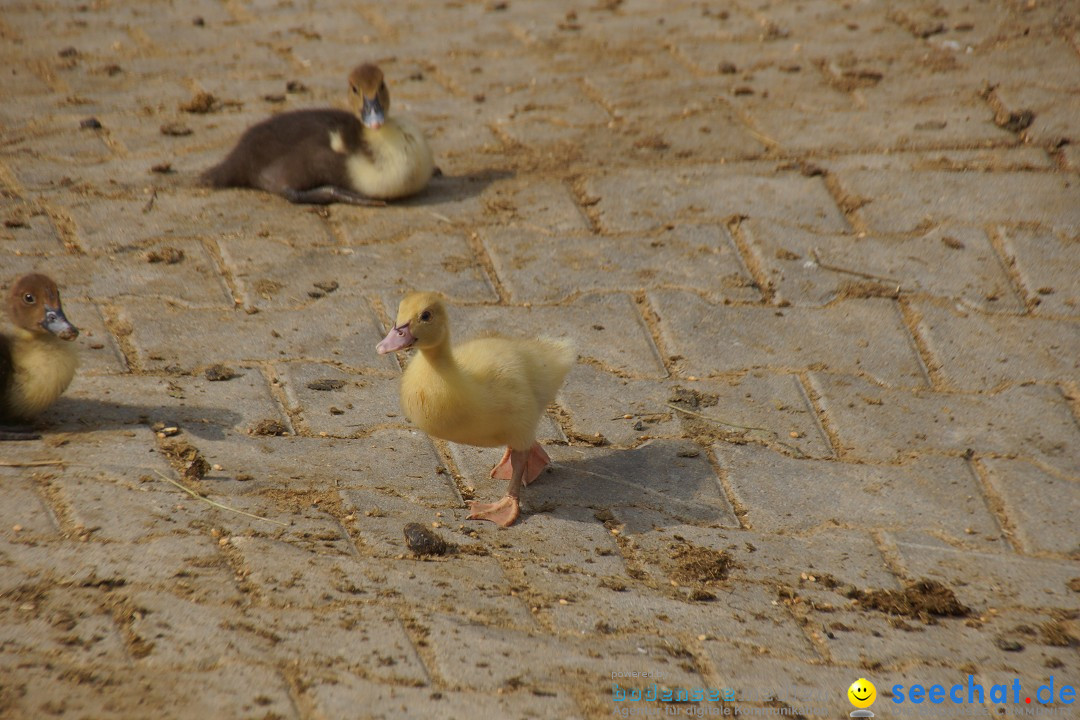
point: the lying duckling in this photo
(36, 365)
(326, 156)
(487, 392)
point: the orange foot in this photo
(502, 513)
(534, 465)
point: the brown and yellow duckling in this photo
(331, 156)
(37, 359)
(488, 392)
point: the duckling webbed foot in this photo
(502, 513)
(18, 433)
(329, 194)
(537, 460)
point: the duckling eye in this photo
(353, 88)
(28, 299)
(425, 316)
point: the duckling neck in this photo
(440, 357)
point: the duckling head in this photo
(34, 305)
(422, 323)
(368, 95)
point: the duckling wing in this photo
(517, 378)
(292, 151)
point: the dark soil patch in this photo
(1056, 634)
(269, 427)
(186, 458)
(925, 600)
(326, 384)
(695, 564)
(167, 255)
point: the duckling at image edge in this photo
(325, 156)
(487, 392)
(37, 360)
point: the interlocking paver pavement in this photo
(819, 261)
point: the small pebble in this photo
(216, 467)
(16, 528)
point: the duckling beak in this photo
(399, 338)
(371, 115)
(56, 323)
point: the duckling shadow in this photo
(77, 415)
(445, 189)
(665, 482)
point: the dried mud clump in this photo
(925, 600)
(424, 541)
(696, 564)
(326, 384)
(167, 255)
(269, 427)
(220, 373)
(186, 458)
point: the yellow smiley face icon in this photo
(862, 693)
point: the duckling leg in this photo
(504, 512)
(538, 460)
(328, 194)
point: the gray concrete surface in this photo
(822, 264)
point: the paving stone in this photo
(907, 114)
(784, 494)
(474, 589)
(773, 407)
(339, 695)
(877, 424)
(289, 576)
(43, 687)
(1053, 111)
(1024, 349)
(338, 403)
(1045, 264)
(132, 270)
(987, 580)
(592, 662)
(286, 274)
(24, 508)
(185, 634)
(624, 345)
(66, 624)
(957, 263)
(380, 516)
(670, 476)
(447, 202)
(867, 336)
(834, 554)
(395, 462)
(202, 408)
(233, 689)
(539, 206)
(1038, 503)
(524, 261)
(109, 225)
(905, 202)
(643, 200)
(813, 690)
(348, 335)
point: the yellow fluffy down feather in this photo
(491, 392)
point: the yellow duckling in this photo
(327, 156)
(487, 392)
(36, 364)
